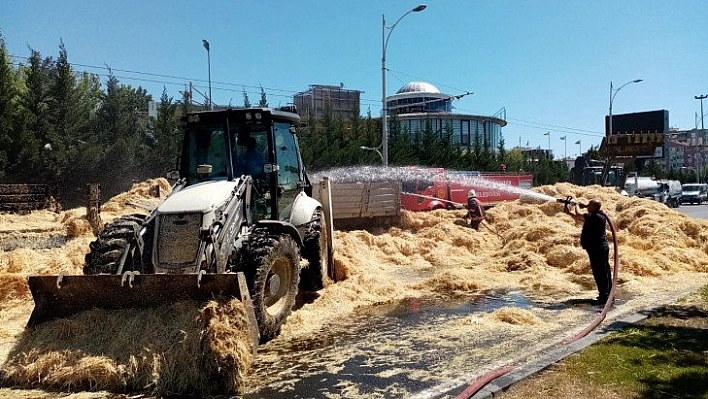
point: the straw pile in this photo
(166, 350)
(532, 247)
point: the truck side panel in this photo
(364, 200)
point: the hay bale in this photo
(142, 192)
(14, 288)
(170, 350)
(451, 282)
(77, 227)
(514, 316)
(563, 256)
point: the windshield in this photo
(205, 145)
(244, 151)
(690, 187)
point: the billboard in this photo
(638, 123)
(639, 135)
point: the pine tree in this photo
(263, 103)
(124, 132)
(501, 151)
(37, 127)
(246, 100)
(8, 107)
(402, 149)
(428, 147)
(166, 133)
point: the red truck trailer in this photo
(441, 189)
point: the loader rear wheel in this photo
(107, 250)
(275, 280)
(316, 250)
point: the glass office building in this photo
(418, 103)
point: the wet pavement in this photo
(383, 350)
(32, 241)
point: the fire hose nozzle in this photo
(567, 200)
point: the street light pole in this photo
(703, 136)
(384, 110)
(613, 93)
(206, 46)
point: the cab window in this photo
(206, 146)
(290, 177)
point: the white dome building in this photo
(416, 103)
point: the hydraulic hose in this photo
(489, 377)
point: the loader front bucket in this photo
(62, 296)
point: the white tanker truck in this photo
(665, 191)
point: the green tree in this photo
(70, 114)
(477, 151)
(124, 131)
(448, 152)
(246, 100)
(368, 133)
(428, 146)
(593, 153)
(263, 103)
(486, 157)
(166, 134)
(515, 161)
(9, 95)
(34, 136)
(501, 151)
(402, 149)
(653, 168)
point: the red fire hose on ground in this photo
(494, 374)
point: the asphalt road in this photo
(694, 211)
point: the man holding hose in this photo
(594, 240)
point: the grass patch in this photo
(703, 292)
(653, 361)
(666, 356)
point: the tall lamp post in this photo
(548, 154)
(384, 45)
(703, 137)
(613, 93)
(206, 46)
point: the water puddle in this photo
(34, 241)
(415, 310)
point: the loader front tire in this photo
(106, 251)
(317, 274)
(275, 265)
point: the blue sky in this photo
(547, 63)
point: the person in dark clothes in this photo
(251, 162)
(475, 212)
(594, 240)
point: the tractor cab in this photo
(259, 143)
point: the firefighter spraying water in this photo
(475, 211)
